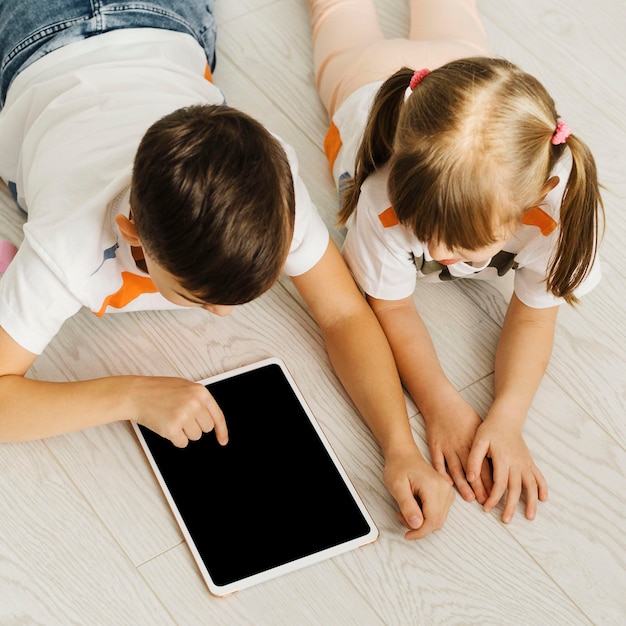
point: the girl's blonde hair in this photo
(469, 152)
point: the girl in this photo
(457, 167)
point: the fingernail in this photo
(415, 521)
(471, 476)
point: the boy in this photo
(143, 191)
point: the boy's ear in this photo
(127, 230)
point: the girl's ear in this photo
(550, 185)
(127, 230)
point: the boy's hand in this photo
(177, 409)
(513, 467)
(424, 497)
(450, 430)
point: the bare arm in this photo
(451, 422)
(522, 357)
(523, 353)
(361, 357)
(29, 409)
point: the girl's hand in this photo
(176, 409)
(450, 429)
(424, 497)
(513, 467)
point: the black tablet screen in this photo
(272, 495)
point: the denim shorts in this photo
(29, 29)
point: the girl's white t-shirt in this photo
(387, 259)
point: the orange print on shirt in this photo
(207, 73)
(132, 287)
(539, 218)
(332, 145)
(388, 218)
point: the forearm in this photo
(358, 350)
(522, 356)
(31, 409)
(423, 496)
(362, 360)
(414, 354)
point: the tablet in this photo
(274, 499)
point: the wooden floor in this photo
(85, 534)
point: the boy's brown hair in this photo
(213, 202)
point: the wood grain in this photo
(86, 535)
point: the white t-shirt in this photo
(385, 256)
(69, 131)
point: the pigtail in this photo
(581, 213)
(377, 142)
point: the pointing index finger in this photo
(219, 421)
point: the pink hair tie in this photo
(562, 132)
(417, 78)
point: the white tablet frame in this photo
(223, 590)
